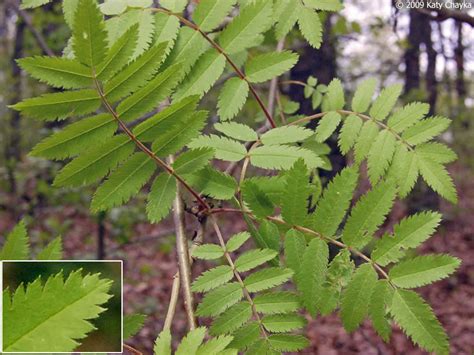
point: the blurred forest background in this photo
(432, 53)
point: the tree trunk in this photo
(13, 144)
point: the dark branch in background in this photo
(40, 40)
(445, 14)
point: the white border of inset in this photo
(61, 261)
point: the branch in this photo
(234, 66)
(36, 34)
(446, 14)
(183, 256)
(132, 349)
(175, 287)
(273, 91)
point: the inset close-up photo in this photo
(62, 306)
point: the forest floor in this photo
(150, 265)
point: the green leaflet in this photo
(232, 98)
(245, 336)
(123, 183)
(356, 297)
(349, 133)
(118, 55)
(326, 5)
(405, 169)
(256, 200)
(272, 186)
(435, 151)
(380, 155)
(423, 270)
(287, 342)
(16, 246)
(149, 96)
(232, 319)
(294, 206)
(217, 346)
(295, 245)
(286, 134)
(161, 197)
(62, 312)
(53, 251)
(381, 296)
(438, 179)
(425, 130)
(69, 9)
(334, 203)
(310, 26)
(208, 252)
(252, 21)
(57, 72)
(60, 105)
(254, 258)
(163, 343)
(88, 33)
(166, 29)
(192, 160)
(237, 131)
(269, 65)
(190, 343)
(327, 125)
(95, 163)
(312, 274)
(417, 320)
(145, 20)
(179, 133)
(213, 182)
(270, 235)
(136, 74)
(212, 278)
(76, 137)
(174, 5)
(132, 323)
(262, 347)
(159, 124)
(409, 233)
(209, 13)
(368, 214)
(366, 137)
(339, 274)
(282, 157)
(384, 103)
(236, 241)
(408, 116)
(225, 148)
(285, 16)
(278, 323)
(267, 278)
(363, 95)
(335, 95)
(188, 48)
(204, 74)
(30, 4)
(218, 300)
(277, 302)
